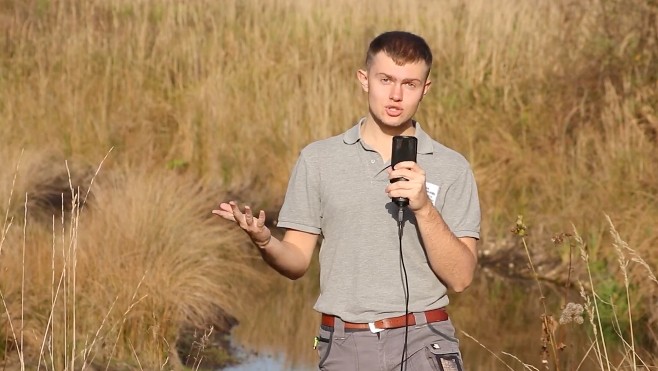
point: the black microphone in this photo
(404, 149)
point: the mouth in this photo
(393, 111)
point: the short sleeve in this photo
(461, 209)
(301, 206)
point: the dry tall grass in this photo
(554, 103)
(113, 281)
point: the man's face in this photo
(394, 92)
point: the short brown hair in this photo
(403, 47)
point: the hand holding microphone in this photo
(404, 149)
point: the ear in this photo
(426, 88)
(362, 75)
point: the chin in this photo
(391, 122)
(395, 122)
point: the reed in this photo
(575, 331)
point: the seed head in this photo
(572, 312)
(520, 229)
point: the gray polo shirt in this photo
(337, 190)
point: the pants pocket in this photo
(324, 347)
(441, 361)
(336, 352)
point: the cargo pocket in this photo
(443, 359)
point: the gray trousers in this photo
(430, 347)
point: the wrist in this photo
(425, 211)
(263, 244)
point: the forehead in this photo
(382, 63)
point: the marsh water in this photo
(498, 321)
(266, 362)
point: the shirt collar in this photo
(353, 135)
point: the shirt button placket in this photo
(373, 169)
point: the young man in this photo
(340, 188)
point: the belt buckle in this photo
(374, 329)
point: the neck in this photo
(380, 136)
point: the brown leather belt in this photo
(435, 315)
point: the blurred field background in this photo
(188, 103)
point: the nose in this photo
(396, 92)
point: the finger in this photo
(401, 174)
(223, 207)
(404, 165)
(235, 210)
(261, 219)
(409, 165)
(396, 191)
(397, 187)
(409, 174)
(248, 216)
(224, 211)
(224, 214)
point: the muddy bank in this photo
(209, 348)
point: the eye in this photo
(385, 80)
(411, 85)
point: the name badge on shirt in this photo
(432, 191)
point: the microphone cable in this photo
(406, 289)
